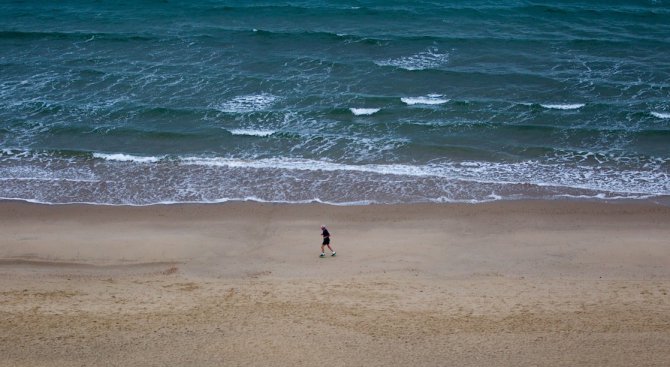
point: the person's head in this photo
(323, 226)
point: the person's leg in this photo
(322, 253)
(331, 249)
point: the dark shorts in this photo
(326, 241)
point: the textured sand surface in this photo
(501, 284)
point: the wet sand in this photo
(549, 283)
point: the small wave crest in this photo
(573, 106)
(431, 99)
(252, 132)
(248, 103)
(429, 59)
(661, 115)
(364, 111)
(119, 157)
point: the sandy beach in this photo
(538, 283)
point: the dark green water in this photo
(344, 102)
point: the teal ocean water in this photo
(347, 102)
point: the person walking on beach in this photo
(326, 241)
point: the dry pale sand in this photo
(501, 284)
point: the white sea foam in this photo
(608, 172)
(661, 115)
(49, 179)
(364, 111)
(431, 99)
(248, 103)
(494, 196)
(531, 171)
(429, 59)
(307, 165)
(252, 132)
(126, 158)
(573, 106)
(216, 179)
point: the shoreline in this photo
(662, 200)
(541, 283)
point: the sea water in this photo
(344, 102)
